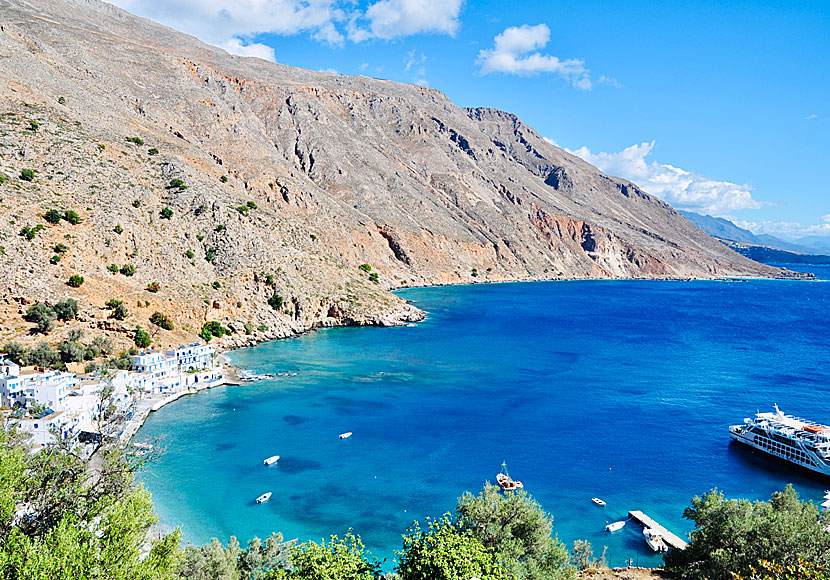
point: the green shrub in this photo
(166, 213)
(374, 277)
(210, 255)
(153, 287)
(75, 280)
(53, 216)
(262, 328)
(54, 259)
(127, 269)
(42, 315)
(141, 338)
(269, 279)
(30, 233)
(211, 329)
(66, 309)
(200, 237)
(136, 140)
(177, 184)
(243, 209)
(249, 328)
(161, 320)
(313, 237)
(120, 312)
(33, 125)
(275, 301)
(251, 204)
(220, 228)
(61, 101)
(152, 151)
(217, 285)
(189, 254)
(27, 174)
(344, 559)
(118, 229)
(2, 179)
(72, 217)
(44, 355)
(136, 203)
(224, 179)
(112, 303)
(71, 351)
(365, 267)
(113, 268)
(60, 249)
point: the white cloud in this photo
(218, 21)
(512, 53)
(236, 46)
(606, 80)
(682, 189)
(387, 19)
(233, 24)
(416, 65)
(788, 230)
(811, 117)
(826, 218)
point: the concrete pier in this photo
(671, 540)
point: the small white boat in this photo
(346, 435)
(598, 501)
(264, 497)
(272, 459)
(654, 539)
(615, 526)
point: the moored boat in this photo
(598, 501)
(615, 526)
(655, 541)
(346, 435)
(264, 497)
(272, 459)
(505, 481)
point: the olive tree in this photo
(734, 535)
(518, 531)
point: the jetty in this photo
(672, 540)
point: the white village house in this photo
(66, 404)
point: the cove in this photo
(617, 389)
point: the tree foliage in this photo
(339, 559)
(42, 315)
(801, 570)
(733, 535)
(517, 530)
(141, 337)
(59, 519)
(446, 552)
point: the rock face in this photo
(288, 181)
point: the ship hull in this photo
(801, 457)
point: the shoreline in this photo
(230, 371)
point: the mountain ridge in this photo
(292, 179)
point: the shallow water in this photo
(621, 390)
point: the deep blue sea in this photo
(616, 389)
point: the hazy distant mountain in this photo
(725, 229)
(818, 244)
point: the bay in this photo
(616, 389)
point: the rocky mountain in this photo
(230, 181)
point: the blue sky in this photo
(718, 107)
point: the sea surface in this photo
(617, 389)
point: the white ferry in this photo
(804, 443)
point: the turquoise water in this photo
(621, 390)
